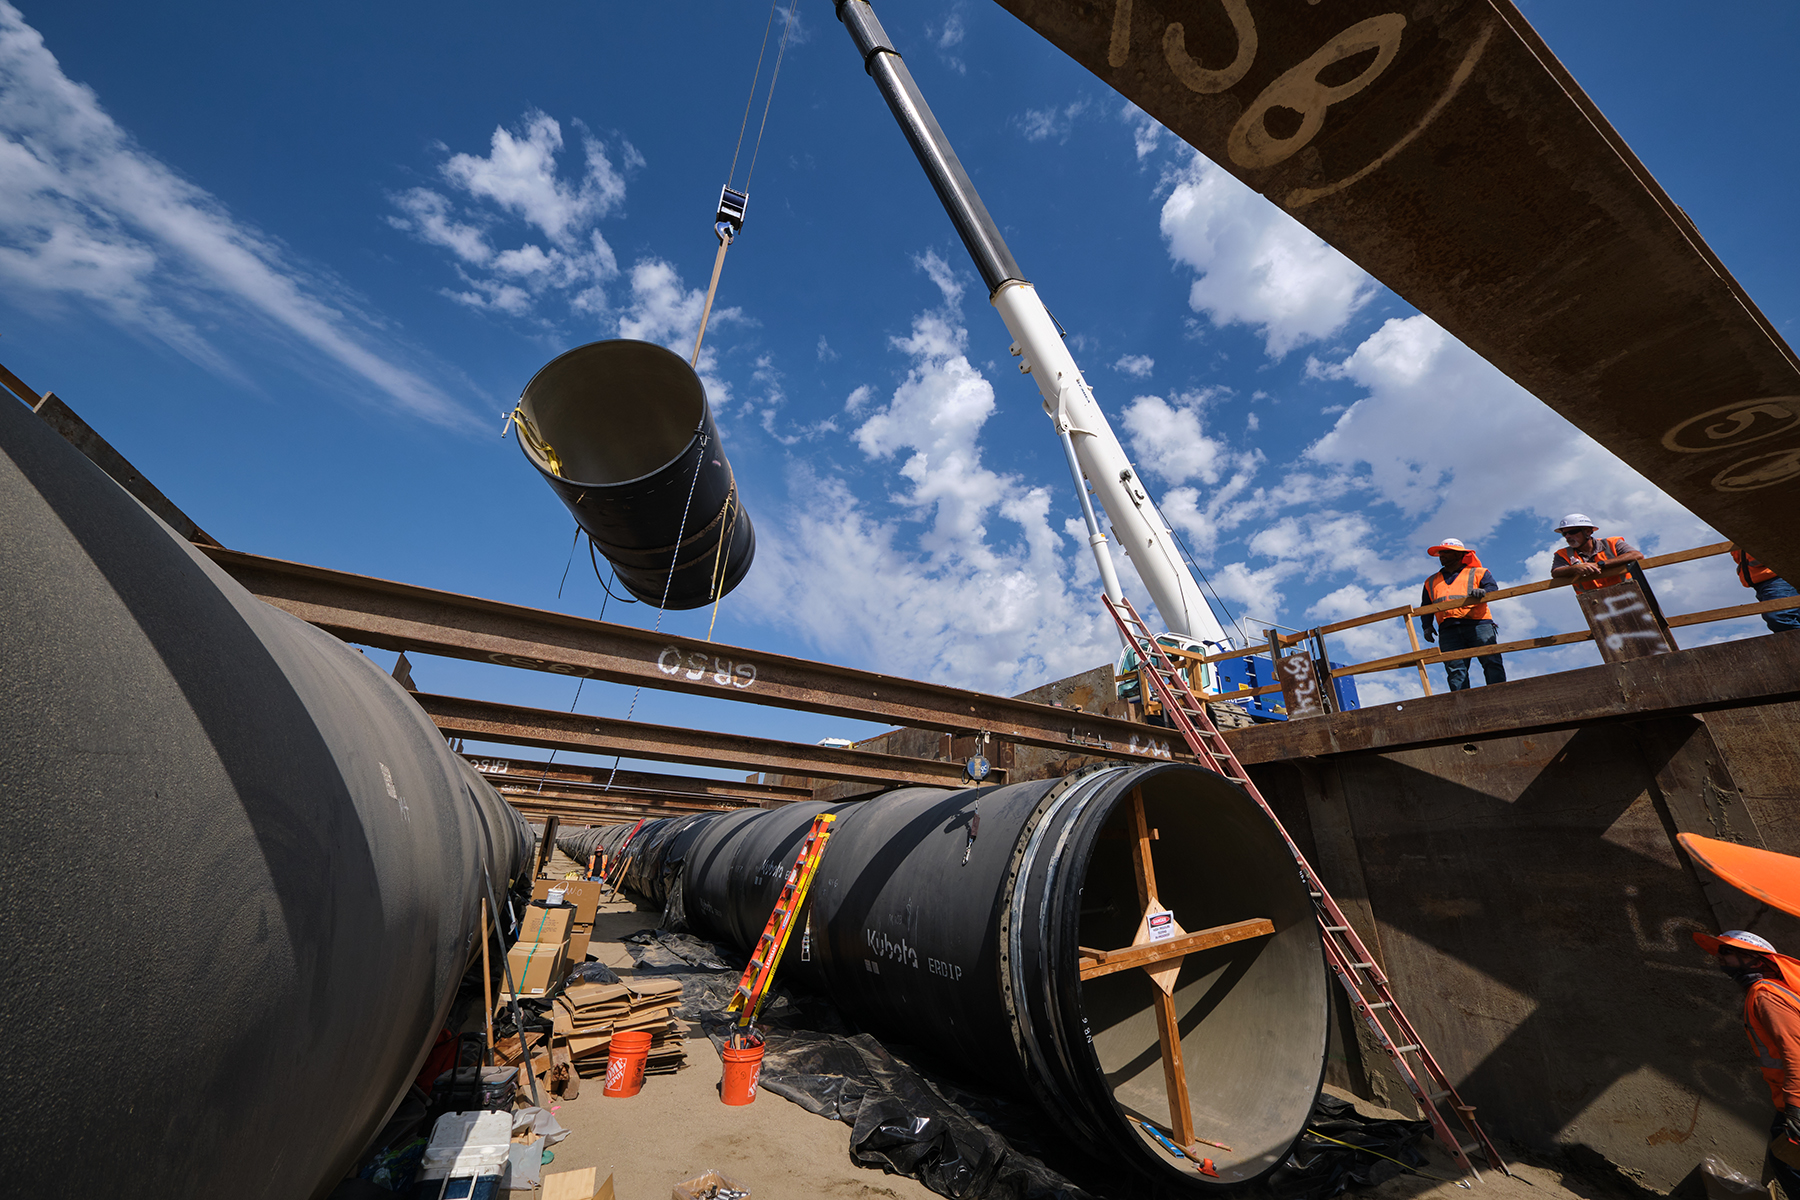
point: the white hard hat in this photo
(1737, 939)
(1576, 521)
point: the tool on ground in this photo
(487, 988)
(512, 986)
(1362, 978)
(753, 986)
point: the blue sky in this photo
(296, 263)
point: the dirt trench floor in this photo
(677, 1128)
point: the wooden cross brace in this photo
(1161, 960)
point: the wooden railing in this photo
(1418, 658)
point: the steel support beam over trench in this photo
(1445, 150)
(583, 778)
(398, 616)
(512, 725)
(1741, 674)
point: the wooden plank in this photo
(1624, 622)
(1168, 1035)
(1141, 861)
(1735, 611)
(1110, 962)
(19, 388)
(1412, 635)
(1168, 1030)
(1739, 674)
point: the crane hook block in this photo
(731, 210)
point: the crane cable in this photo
(732, 201)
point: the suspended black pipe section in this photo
(622, 433)
(241, 869)
(963, 936)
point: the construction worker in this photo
(1771, 983)
(1768, 586)
(1466, 627)
(1591, 562)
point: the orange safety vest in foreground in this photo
(1566, 557)
(1749, 570)
(1439, 589)
(1772, 1040)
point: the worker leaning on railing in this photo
(1591, 562)
(1464, 628)
(1767, 585)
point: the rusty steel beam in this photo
(398, 616)
(512, 725)
(504, 772)
(1740, 674)
(1444, 149)
(597, 813)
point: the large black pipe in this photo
(622, 433)
(970, 950)
(241, 869)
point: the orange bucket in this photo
(742, 1069)
(625, 1063)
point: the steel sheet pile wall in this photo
(241, 868)
(968, 945)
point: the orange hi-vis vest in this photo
(1763, 1040)
(1464, 583)
(1607, 547)
(1749, 570)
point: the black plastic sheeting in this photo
(907, 1120)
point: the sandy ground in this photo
(676, 1128)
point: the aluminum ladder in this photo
(1364, 981)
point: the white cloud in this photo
(947, 38)
(826, 353)
(86, 214)
(969, 581)
(1166, 439)
(1146, 131)
(1456, 446)
(1138, 366)
(520, 175)
(664, 311)
(942, 274)
(520, 182)
(1257, 264)
(1041, 124)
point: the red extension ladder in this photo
(1350, 960)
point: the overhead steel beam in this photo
(399, 616)
(1739, 674)
(506, 772)
(511, 725)
(1444, 149)
(599, 813)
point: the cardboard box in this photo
(578, 944)
(541, 924)
(584, 894)
(537, 966)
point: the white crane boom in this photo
(1088, 441)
